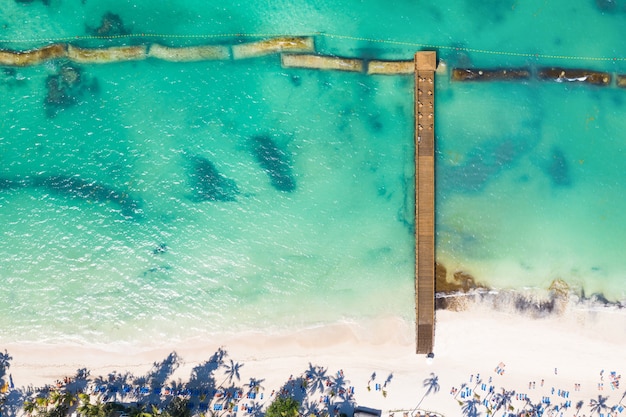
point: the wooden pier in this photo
(425, 66)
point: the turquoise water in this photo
(104, 236)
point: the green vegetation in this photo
(283, 407)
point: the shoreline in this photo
(579, 343)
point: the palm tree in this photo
(254, 385)
(138, 411)
(470, 408)
(599, 405)
(30, 407)
(622, 399)
(87, 409)
(432, 383)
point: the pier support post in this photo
(425, 66)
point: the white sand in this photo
(579, 344)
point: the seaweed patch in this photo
(208, 184)
(558, 168)
(275, 161)
(76, 187)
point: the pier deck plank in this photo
(425, 66)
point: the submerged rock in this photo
(275, 161)
(111, 25)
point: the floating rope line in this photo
(475, 50)
(151, 35)
(322, 34)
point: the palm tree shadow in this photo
(115, 387)
(295, 388)
(202, 385)
(150, 385)
(79, 382)
(311, 407)
(388, 380)
(255, 409)
(341, 399)
(13, 405)
(202, 376)
(316, 379)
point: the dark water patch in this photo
(489, 12)
(371, 51)
(44, 2)
(458, 57)
(296, 80)
(558, 168)
(375, 123)
(208, 184)
(12, 184)
(610, 6)
(482, 164)
(161, 270)
(406, 212)
(111, 25)
(67, 88)
(275, 161)
(11, 77)
(92, 191)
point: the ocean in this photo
(109, 231)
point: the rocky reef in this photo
(459, 291)
(66, 88)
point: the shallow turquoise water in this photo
(529, 175)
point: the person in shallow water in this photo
(162, 248)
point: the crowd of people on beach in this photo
(478, 395)
(214, 388)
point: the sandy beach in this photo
(566, 359)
